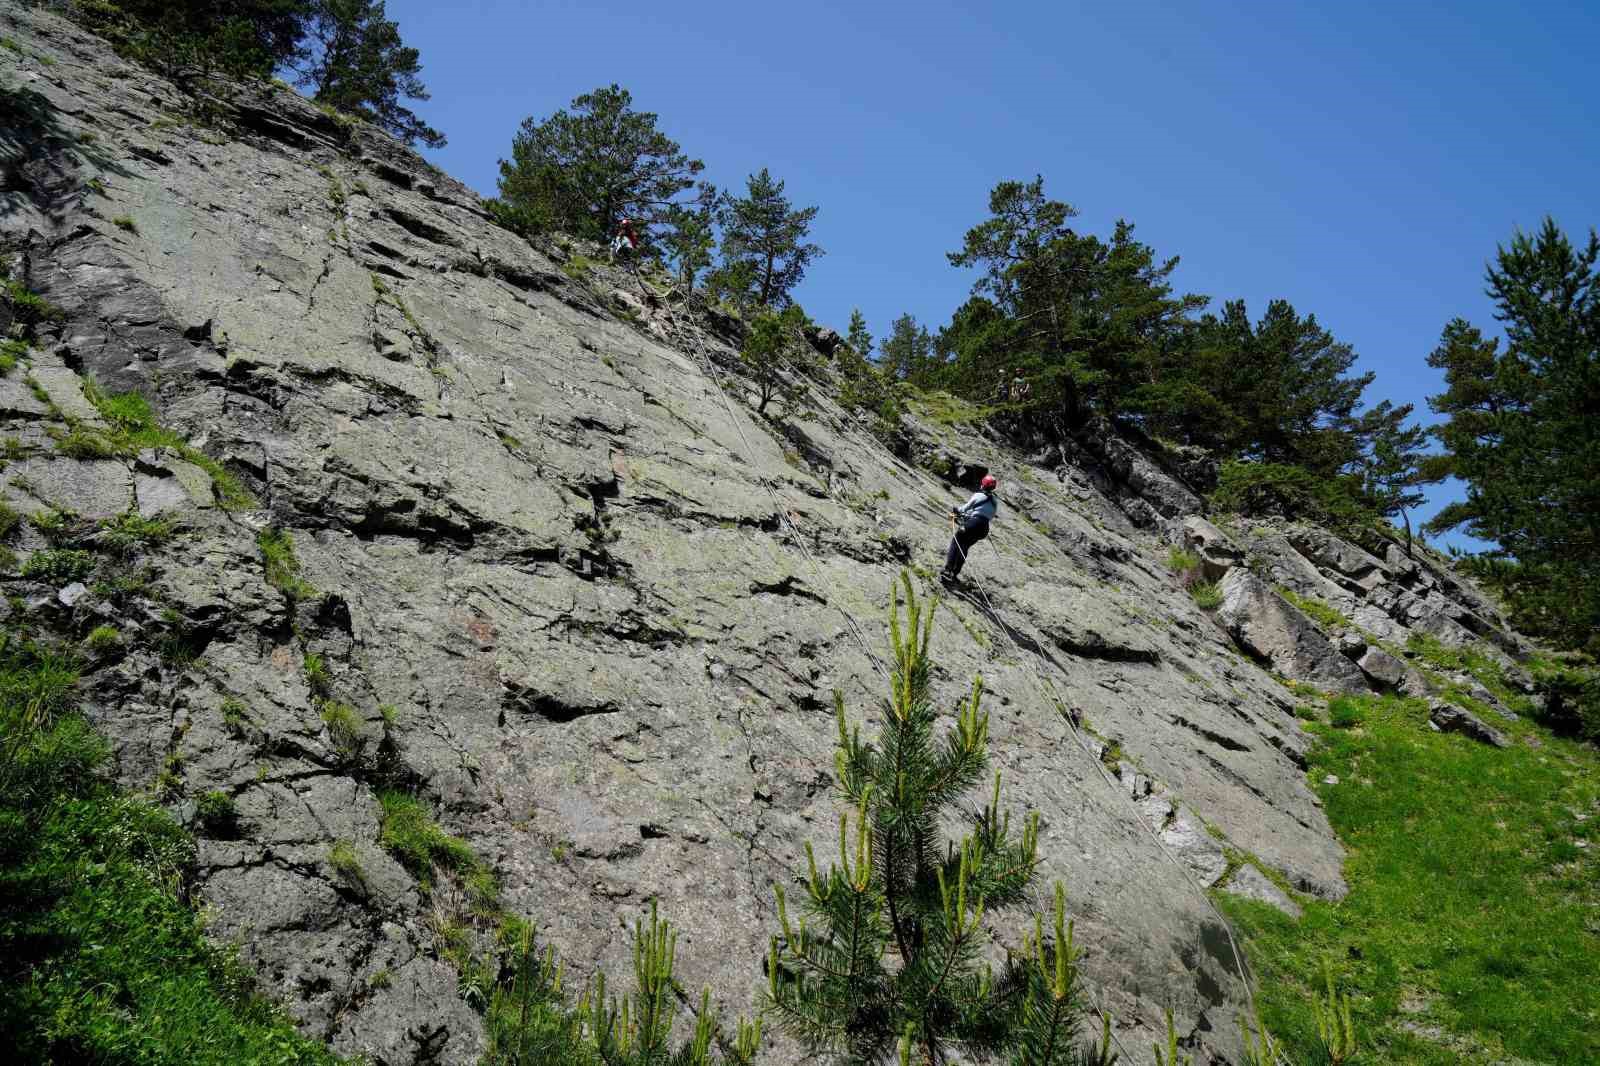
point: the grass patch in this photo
(55, 525)
(1324, 614)
(283, 568)
(344, 729)
(1570, 704)
(1345, 712)
(410, 834)
(12, 351)
(217, 814)
(129, 533)
(58, 566)
(944, 409)
(85, 442)
(578, 267)
(1207, 595)
(29, 308)
(235, 716)
(318, 679)
(102, 639)
(1469, 893)
(1180, 561)
(133, 427)
(344, 861)
(125, 222)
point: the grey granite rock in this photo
(1447, 718)
(1247, 882)
(1384, 670)
(1217, 551)
(1271, 629)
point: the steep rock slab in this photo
(532, 527)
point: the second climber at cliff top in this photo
(624, 240)
(972, 525)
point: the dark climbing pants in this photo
(969, 534)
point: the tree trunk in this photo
(1407, 519)
(766, 282)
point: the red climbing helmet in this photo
(988, 482)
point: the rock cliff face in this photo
(605, 610)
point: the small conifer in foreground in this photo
(886, 954)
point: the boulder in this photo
(1329, 552)
(824, 339)
(1135, 473)
(1217, 551)
(1351, 645)
(1248, 882)
(1447, 718)
(1384, 671)
(1268, 627)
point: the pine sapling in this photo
(636, 1030)
(1170, 1055)
(1334, 1026)
(1261, 1048)
(885, 954)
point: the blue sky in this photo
(1360, 160)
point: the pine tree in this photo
(907, 351)
(857, 335)
(1012, 245)
(691, 234)
(764, 232)
(583, 170)
(1397, 464)
(766, 354)
(240, 38)
(358, 64)
(1523, 430)
(530, 1024)
(864, 386)
(886, 947)
(637, 1029)
(1092, 319)
(1283, 380)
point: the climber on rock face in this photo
(972, 525)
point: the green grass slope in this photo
(1471, 933)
